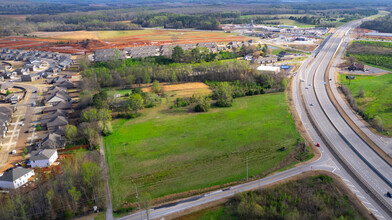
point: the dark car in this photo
(389, 195)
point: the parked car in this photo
(318, 144)
(13, 152)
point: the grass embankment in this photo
(168, 151)
(376, 100)
(317, 197)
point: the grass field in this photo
(377, 98)
(168, 151)
(316, 197)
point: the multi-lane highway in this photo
(361, 160)
(343, 152)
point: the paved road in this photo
(354, 153)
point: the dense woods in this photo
(382, 24)
(74, 192)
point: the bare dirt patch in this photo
(184, 89)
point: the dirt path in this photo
(109, 208)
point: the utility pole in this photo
(246, 168)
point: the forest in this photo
(382, 24)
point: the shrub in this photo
(203, 105)
(38, 127)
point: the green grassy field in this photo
(168, 151)
(316, 197)
(377, 97)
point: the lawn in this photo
(315, 197)
(377, 97)
(168, 151)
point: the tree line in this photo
(382, 24)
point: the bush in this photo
(38, 127)
(203, 105)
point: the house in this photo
(55, 89)
(30, 77)
(8, 110)
(66, 84)
(55, 122)
(356, 66)
(59, 106)
(57, 98)
(107, 54)
(12, 98)
(43, 158)
(60, 130)
(15, 178)
(21, 71)
(52, 141)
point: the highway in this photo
(344, 153)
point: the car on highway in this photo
(389, 195)
(318, 144)
(306, 87)
(311, 104)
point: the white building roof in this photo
(268, 68)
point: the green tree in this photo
(100, 100)
(265, 50)
(70, 133)
(224, 94)
(75, 195)
(156, 86)
(178, 54)
(136, 102)
(146, 78)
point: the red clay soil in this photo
(75, 47)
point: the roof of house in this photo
(61, 105)
(57, 121)
(52, 141)
(66, 84)
(42, 154)
(107, 54)
(14, 174)
(60, 130)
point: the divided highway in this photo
(344, 153)
(364, 163)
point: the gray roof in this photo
(107, 54)
(42, 154)
(58, 121)
(53, 141)
(14, 174)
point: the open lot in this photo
(168, 151)
(377, 96)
